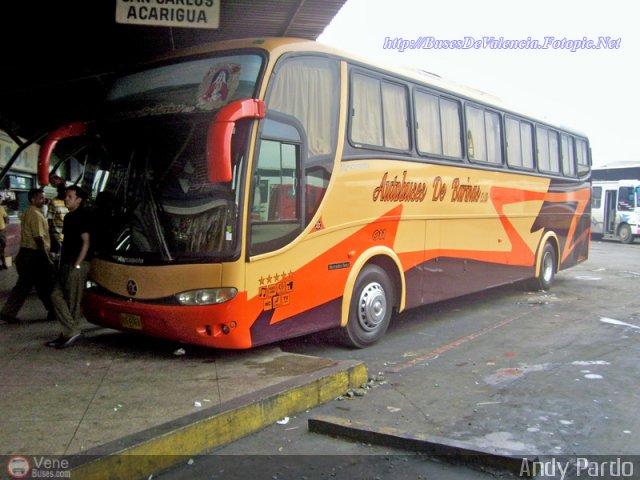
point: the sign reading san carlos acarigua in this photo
(169, 13)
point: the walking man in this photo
(74, 268)
(33, 264)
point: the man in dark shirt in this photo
(74, 268)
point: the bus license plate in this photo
(131, 321)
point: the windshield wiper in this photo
(156, 224)
(149, 210)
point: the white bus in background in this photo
(615, 209)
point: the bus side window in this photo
(282, 199)
(519, 139)
(276, 205)
(568, 160)
(582, 157)
(484, 136)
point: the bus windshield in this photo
(196, 86)
(151, 180)
(628, 198)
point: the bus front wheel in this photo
(370, 309)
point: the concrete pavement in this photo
(114, 397)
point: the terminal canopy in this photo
(57, 57)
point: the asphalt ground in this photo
(502, 383)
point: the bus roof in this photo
(621, 164)
(625, 181)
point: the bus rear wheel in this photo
(370, 309)
(625, 234)
(547, 269)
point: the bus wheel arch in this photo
(547, 263)
(372, 294)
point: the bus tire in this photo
(370, 309)
(624, 233)
(547, 269)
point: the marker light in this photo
(206, 296)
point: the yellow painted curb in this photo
(140, 455)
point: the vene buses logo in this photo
(39, 467)
(18, 467)
(399, 190)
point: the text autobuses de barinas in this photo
(405, 190)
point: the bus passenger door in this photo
(276, 203)
(610, 202)
(278, 214)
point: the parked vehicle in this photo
(615, 209)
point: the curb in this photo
(452, 451)
(142, 454)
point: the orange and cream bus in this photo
(256, 190)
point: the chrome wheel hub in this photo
(372, 307)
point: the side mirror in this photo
(221, 131)
(75, 129)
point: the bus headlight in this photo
(206, 296)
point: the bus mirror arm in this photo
(221, 131)
(74, 129)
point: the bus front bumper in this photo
(210, 325)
